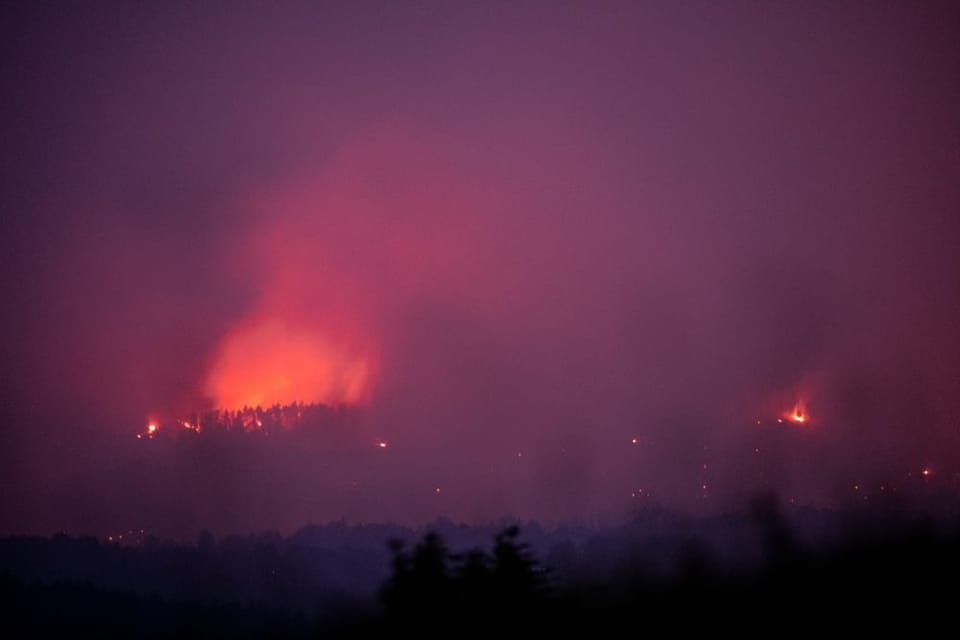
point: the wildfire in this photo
(151, 431)
(190, 426)
(798, 415)
(271, 362)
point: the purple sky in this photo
(519, 236)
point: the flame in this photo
(270, 362)
(798, 414)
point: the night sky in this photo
(563, 258)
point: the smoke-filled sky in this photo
(561, 256)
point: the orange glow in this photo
(190, 426)
(270, 362)
(151, 428)
(798, 414)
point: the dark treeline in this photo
(269, 419)
(267, 585)
(264, 570)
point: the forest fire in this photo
(151, 430)
(798, 415)
(267, 420)
(273, 363)
(190, 426)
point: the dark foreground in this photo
(874, 581)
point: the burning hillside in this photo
(272, 419)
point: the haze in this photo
(555, 254)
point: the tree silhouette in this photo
(515, 571)
(421, 580)
(430, 586)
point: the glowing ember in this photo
(926, 471)
(382, 444)
(151, 428)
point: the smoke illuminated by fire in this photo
(271, 363)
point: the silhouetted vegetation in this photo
(431, 587)
(268, 586)
(266, 420)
